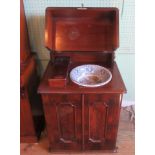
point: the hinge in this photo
(82, 7)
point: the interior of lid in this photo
(73, 29)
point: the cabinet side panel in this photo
(50, 118)
(114, 101)
(26, 120)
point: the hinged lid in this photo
(77, 29)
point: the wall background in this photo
(35, 12)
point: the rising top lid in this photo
(82, 29)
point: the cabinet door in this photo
(63, 120)
(101, 121)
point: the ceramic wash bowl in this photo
(90, 75)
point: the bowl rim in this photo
(95, 85)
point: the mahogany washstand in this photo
(81, 118)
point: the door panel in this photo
(66, 113)
(63, 117)
(101, 121)
(97, 121)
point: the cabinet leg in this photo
(115, 150)
(49, 149)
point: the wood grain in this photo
(125, 142)
(85, 36)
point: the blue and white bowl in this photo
(90, 75)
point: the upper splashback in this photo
(82, 29)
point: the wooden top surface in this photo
(116, 85)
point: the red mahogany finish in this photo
(81, 118)
(59, 74)
(73, 29)
(24, 39)
(31, 114)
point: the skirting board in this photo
(127, 103)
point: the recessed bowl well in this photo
(90, 75)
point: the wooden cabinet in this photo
(82, 121)
(81, 118)
(31, 112)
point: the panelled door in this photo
(75, 123)
(63, 119)
(101, 121)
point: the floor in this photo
(125, 140)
